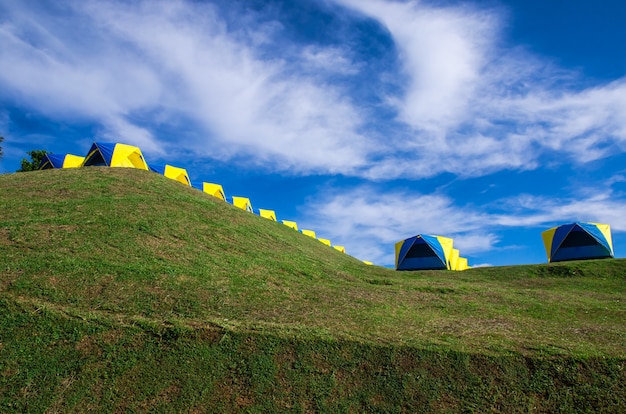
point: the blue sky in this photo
(368, 121)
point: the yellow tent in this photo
(368, 263)
(215, 190)
(309, 233)
(268, 214)
(325, 241)
(61, 161)
(243, 203)
(462, 264)
(454, 259)
(174, 173)
(291, 224)
(340, 248)
(115, 155)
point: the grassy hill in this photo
(123, 291)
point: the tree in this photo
(36, 156)
(1, 139)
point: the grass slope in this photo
(121, 290)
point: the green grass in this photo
(121, 290)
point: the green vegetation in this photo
(35, 160)
(123, 291)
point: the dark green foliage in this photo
(123, 291)
(35, 160)
(1, 140)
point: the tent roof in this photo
(291, 224)
(174, 173)
(243, 203)
(216, 190)
(268, 214)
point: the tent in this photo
(454, 259)
(368, 263)
(340, 249)
(175, 173)
(325, 241)
(291, 224)
(60, 161)
(424, 252)
(243, 203)
(216, 190)
(309, 233)
(462, 264)
(578, 241)
(268, 214)
(115, 155)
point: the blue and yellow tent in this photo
(60, 161)
(242, 203)
(578, 241)
(291, 224)
(309, 233)
(175, 173)
(115, 155)
(216, 190)
(268, 214)
(424, 252)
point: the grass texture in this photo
(123, 291)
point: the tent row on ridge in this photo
(129, 156)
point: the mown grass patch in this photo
(125, 291)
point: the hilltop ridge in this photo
(101, 267)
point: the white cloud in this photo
(476, 106)
(330, 60)
(179, 60)
(470, 104)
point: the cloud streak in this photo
(463, 102)
(177, 61)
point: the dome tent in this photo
(174, 173)
(578, 241)
(115, 155)
(424, 252)
(60, 161)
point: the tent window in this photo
(578, 238)
(420, 250)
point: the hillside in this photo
(122, 290)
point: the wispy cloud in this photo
(179, 62)
(475, 105)
(243, 88)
